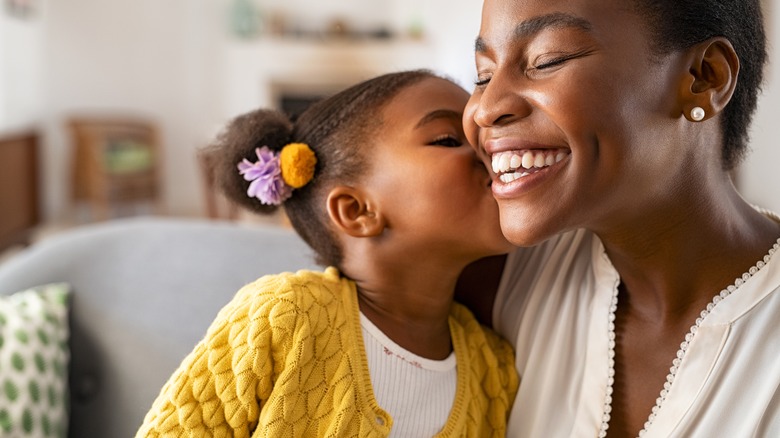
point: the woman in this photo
(611, 127)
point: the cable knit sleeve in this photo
(219, 388)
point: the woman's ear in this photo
(353, 213)
(712, 77)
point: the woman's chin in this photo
(522, 230)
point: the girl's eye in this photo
(448, 141)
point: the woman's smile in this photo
(513, 165)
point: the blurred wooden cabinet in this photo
(19, 193)
(116, 162)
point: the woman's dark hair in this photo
(336, 128)
(680, 24)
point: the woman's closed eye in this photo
(551, 61)
(481, 82)
(447, 140)
(548, 64)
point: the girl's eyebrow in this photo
(439, 114)
(535, 25)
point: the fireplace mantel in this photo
(258, 71)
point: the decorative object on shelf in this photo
(20, 8)
(416, 28)
(277, 24)
(338, 28)
(244, 18)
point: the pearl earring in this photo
(697, 114)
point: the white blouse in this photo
(554, 304)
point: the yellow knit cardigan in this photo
(285, 358)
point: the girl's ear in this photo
(711, 79)
(353, 213)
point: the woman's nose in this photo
(498, 102)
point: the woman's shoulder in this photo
(543, 273)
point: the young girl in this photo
(375, 179)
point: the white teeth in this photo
(503, 163)
(515, 162)
(528, 160)
(512, 165)
(509, 177)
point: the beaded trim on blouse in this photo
(680, 353)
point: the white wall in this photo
(143, 57)
(451, 28)
(21, 67)
(165, 59)
(3, 63)
(760, 174)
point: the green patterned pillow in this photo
(33, 362)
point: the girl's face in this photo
(430, 185)
(576, 116)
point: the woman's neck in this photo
(672, 268)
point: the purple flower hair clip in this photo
(265, 175)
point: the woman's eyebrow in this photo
(535, 25)
(439, 114)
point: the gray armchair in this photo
(144, 292)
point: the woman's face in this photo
(573, 114)
(427, 179)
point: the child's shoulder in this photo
(329, 277)
(281, 302)
(292, 288)
(478, 334)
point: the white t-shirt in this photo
(418, 393)
(553, 305)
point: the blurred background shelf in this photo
(116, 163)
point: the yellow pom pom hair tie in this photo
(274, 176)
(297, 161)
